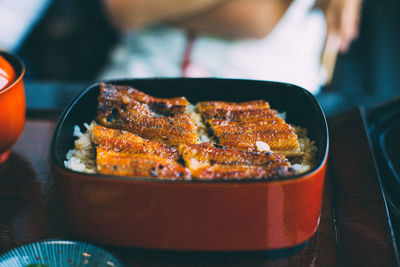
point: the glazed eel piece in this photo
(208, 162)
(168, 106)
(123, 141)
(111, 162)
(279, 135)
(232, 111)
(237, 172)
(117, 110)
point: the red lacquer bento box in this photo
(193, 215)
(12, 102)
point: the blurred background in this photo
(69, 42)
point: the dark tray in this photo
(384, 129)
(354, 229)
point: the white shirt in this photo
(290, 53)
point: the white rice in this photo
(201, 127)
(83, 157)
(307, 161)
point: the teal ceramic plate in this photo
(52, 253)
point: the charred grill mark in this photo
(159, 105)
(113, 117)
(101, 108)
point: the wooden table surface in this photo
(354, 228)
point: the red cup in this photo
(12, 102)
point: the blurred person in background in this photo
(277, 40)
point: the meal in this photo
(139, 135)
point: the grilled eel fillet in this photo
(219, 171)
(117, 110)
(231, 111)
(208, 162)
(168, 106)
(279, 135)
(139, 165)
(123, 141)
